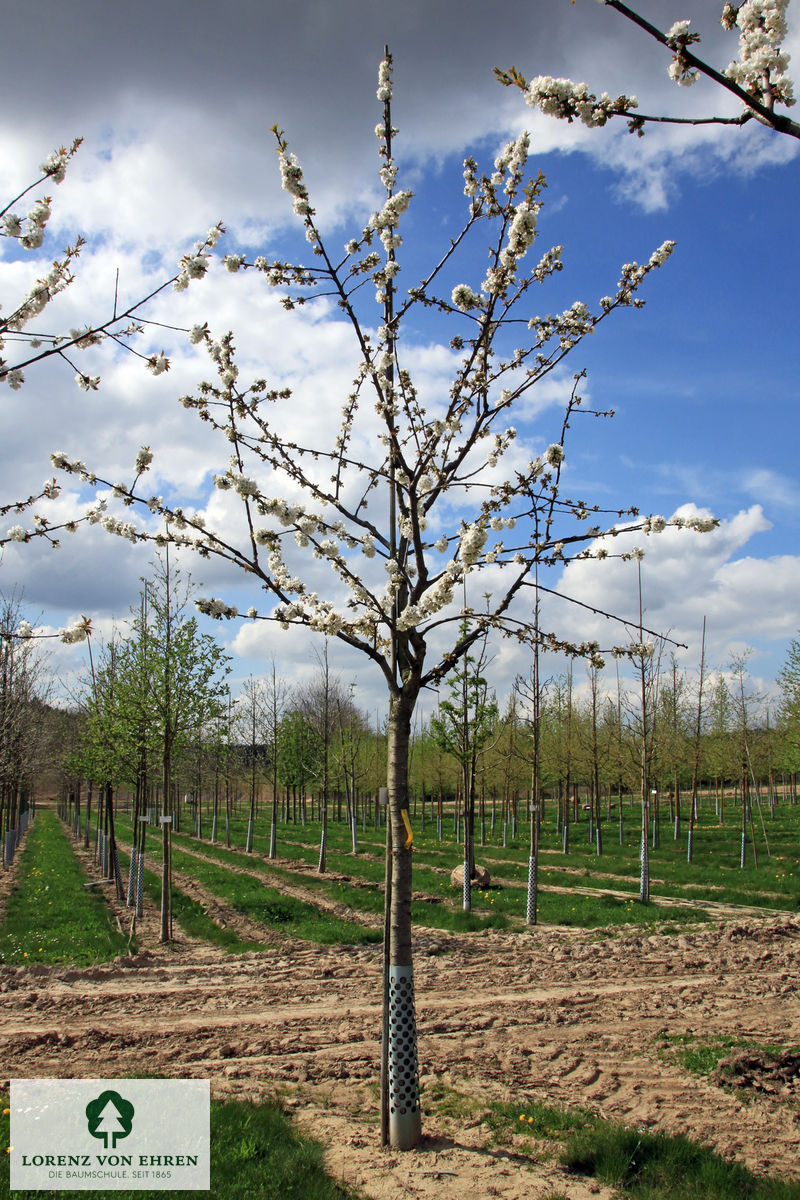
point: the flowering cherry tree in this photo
(416, 494)
(757, 78)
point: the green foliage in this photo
(789, 712)
(299, 751)
(157, 692)
(466, 719)
(51, 917)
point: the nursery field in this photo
(579, 888)
(675, 1018)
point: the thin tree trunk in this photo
(403, 1073)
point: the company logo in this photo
(99, 1134)
(110, 1117)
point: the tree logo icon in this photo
(109, 1117)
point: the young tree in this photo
(24, 743)
(789, 705)
(274, 707)
(463, 726)
(698, 725)
(363, 506)
(252, 718)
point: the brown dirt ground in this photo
(554, 1014)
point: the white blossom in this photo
(143, 459)
(384, 92)
(216, 608)
(464, 298)
(75, 633)
(472, 542)
(244, 485)
(563, 98)
(762, 63)
(158, 363)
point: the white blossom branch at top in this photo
(757, 77)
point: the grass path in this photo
(51, 915)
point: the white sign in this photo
(103, 1134)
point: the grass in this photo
(702, 1055)
(639, 1165)
(191, 916)
(256, 1154)
(274, 909)
(657, 1166)
(50, 916)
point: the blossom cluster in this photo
(434, 599)
(29, 230)
(194, 265)
(76, 633)
(385, 81)
(55, 281)
(386, 221)
(678, 38)
(563, 98)
(213, 607)
(761, 67)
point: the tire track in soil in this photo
(551, 1014)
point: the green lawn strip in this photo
(191, 916)
(51, 917)
(270, 907)
(256, 1154)
(639, 1165)
(769, 885)
(367, 897)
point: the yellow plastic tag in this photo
(407, 823)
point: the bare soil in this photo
(553, 1014)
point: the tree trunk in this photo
(403, 1076)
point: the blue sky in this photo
(704, 380)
